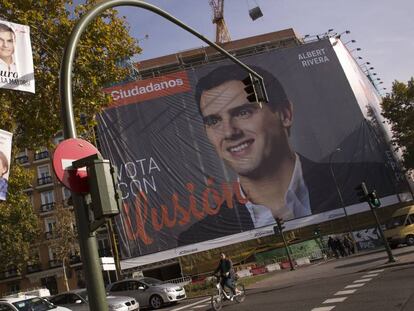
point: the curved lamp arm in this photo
(69, 54)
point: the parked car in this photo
(25, 302)
(149, 292)
(400, 228)
(77, 300)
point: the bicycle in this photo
(221, 295)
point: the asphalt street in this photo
(358, 283)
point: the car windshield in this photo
(396, 221)
(33, 304)
(152, 281)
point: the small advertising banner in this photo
(5, 152)
(16, 60)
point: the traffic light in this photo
(362, 192)
(280, 224)
(255, 90)
(373, 199)
(105, 197)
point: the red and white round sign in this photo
(67, 151)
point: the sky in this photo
(383, 29)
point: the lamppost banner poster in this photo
(199, 164)
(5, 152)
(16, 59)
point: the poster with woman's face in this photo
(16, 60)
(5, 153)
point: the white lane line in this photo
(345, 292)
(355, 285)
(370, 275)
(323, 308)
(363, 280)
(192, 304)
(200, 306)
(333, 300)
(376, 271)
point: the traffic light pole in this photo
(391, 257)
(292, 266)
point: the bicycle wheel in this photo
(216, 302)
(241, 293)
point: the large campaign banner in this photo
(200, 165)
(5, 152)
(16, 59)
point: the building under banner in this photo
(193, 155)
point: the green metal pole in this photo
(292, 266)
(391, 257)
(90, 258)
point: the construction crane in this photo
(222, 33)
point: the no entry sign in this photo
(66, 152)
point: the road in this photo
(357, 283)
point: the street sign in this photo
(67, 151)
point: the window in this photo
(43, 175)
(22, 157)
(50, 224)
(4, 307)
(65, 193)
(47, 197)
(119, 287)
(41, 153)
(58, 139)
(411, 217)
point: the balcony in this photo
(31, 268)
(41, 155)
(48, 207)
(55, 263)
(44, 180)
(49, 235)
(74, 259)
(22, 160)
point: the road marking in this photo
(323, 308)
(376, 271)
(333, 300)
(345, 292)
(355, 285)
(191, 305)
(362, 280)
(201, 306)
(370, 275)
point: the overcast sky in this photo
(383, 29)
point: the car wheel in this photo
(156, 301)
(410, 240)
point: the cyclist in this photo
(227, 275)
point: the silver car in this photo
(149, 292)
(77, 300)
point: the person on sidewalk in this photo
(332, 246)
(227, 274)
(349, 244)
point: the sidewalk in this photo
(360, 262)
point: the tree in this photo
(18, 224)
(65, 242)
(35, 118)
(398, 109)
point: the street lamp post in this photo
(338, 190)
